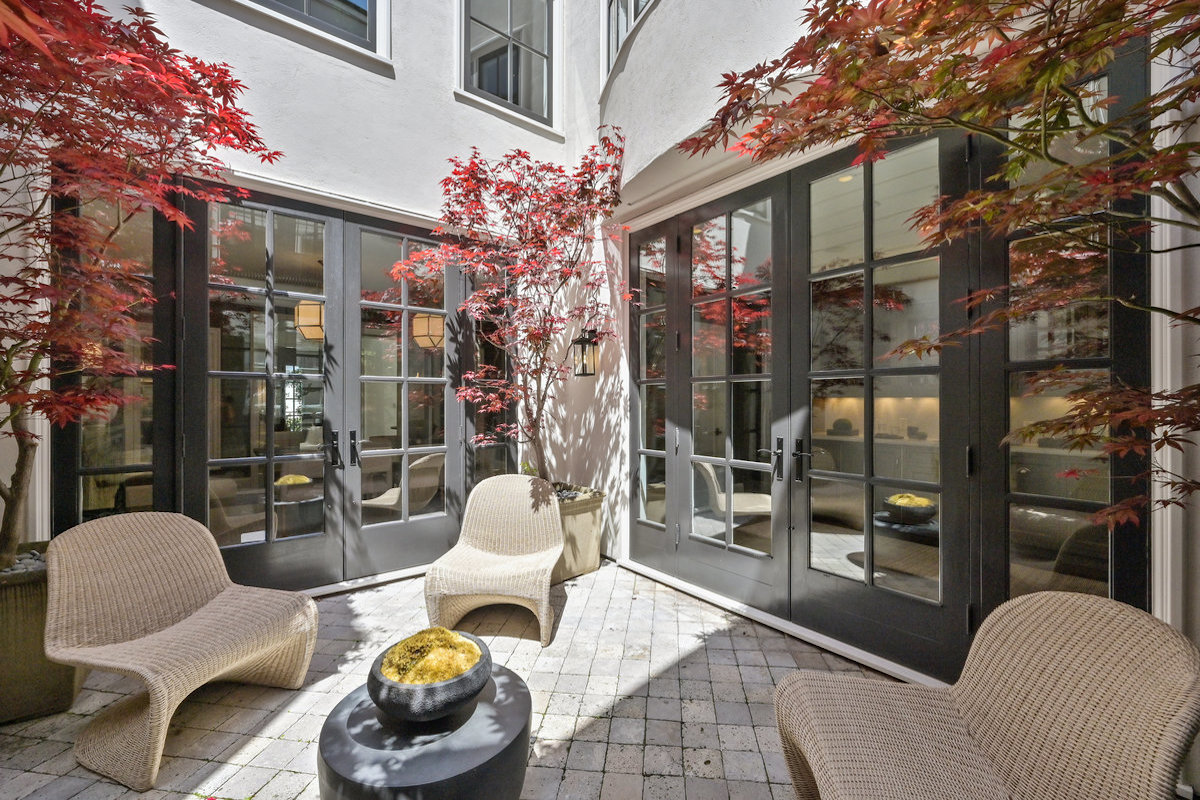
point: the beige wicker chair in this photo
(146, 595)
(1063, 695)
(510, 541)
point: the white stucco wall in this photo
(368, 129)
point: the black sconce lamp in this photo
(587, 352)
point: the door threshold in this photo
(365, 583)
(821, 640)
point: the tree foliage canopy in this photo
(525, 232)
(101, 120)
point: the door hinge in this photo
(970, 466)
(970, 148)
(677, 534)
(678, 244)
(678, 341)
(970, 618)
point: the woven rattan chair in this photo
(510, 541)
(146, 595)
(1063, 695)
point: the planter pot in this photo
(581, 522)
(32, 685)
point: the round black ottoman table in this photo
(480, 751)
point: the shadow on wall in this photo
(587, 439)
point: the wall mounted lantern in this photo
(587, 352)
(428, 330)
(310, 319)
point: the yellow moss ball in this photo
(430, 656)
(910, 500)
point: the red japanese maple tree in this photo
(1075, 168)
(100, 121)
(525, 231)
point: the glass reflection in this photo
(750, 507)
(750, 245)
(238, 245)
(116, 493)
(653, 339)
(426, 286)
(751, 409)
(836, 220)
(652, 487)
(382, 415)
(903, 182)
(837, 423)
(120, 435)
(380, 253)
(1056, 549)
(708, 501)
(299, 258)
(652, 272)
(299, 497)
(709, 256)
(654, 417)
(380, 342)
(299, 412)
(906, 537)
(237, 504)
(237, 417)
(1069, 465)
(836, 538)
(906, 427)
(1062, 263)
(426, 344)
(751, 333)
(709, 337)
(426, 415)
(238, 323)
(906, 307)
(837, 322)
(709, 418)
(529, 82)
(299, 336)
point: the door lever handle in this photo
(776, 457)
(335, 455)
(797, 454)
(354, 448)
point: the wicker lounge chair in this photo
(510, 541)
(1063, 695)
(147, 595)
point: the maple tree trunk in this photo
(12, 523)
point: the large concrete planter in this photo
(30, 684)
(581, 521)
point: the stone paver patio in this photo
(643, 692)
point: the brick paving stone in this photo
(662, 760)
(640, 687)
(541, 783)
(662, 787)
(621, 786)
(696, 788)
(587, 756)
(744, 765)
(627, 730)
(702, 762)
(61, 788)
(578, 785)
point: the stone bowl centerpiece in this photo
(909, 509)
(429, 675)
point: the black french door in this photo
(321, 437)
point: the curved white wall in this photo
(662, 88)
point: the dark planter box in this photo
(32, 685)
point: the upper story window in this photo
(621, 16)
(508, 53)
(352, 20)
